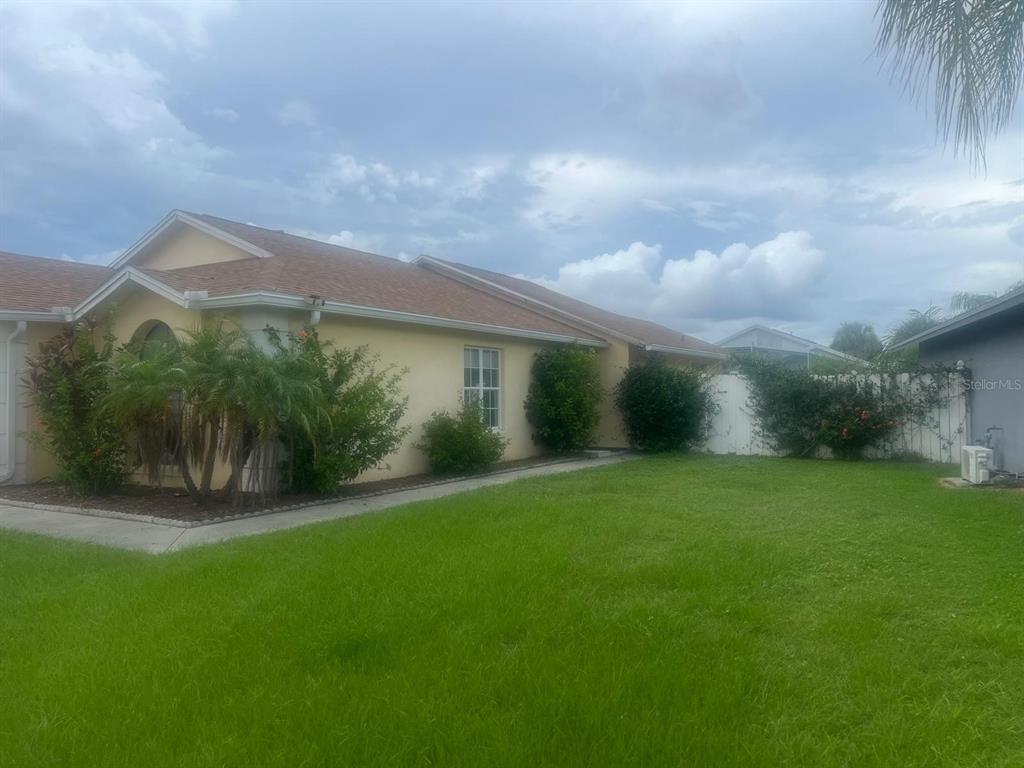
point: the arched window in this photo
(156, 340)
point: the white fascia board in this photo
(375, 313)
(684, 351)
(128, 275)
(444, 267)
(183, 218)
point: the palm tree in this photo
(967, 55)
(857, 339)
(965, 301)
(916, 322)
(144, 399)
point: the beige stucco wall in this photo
(189, 247)
(614, 362)
(434, 359)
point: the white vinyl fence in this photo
(937, 437)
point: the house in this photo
(787, 348)
(431, 317)
(987, 345)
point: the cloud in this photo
(771, 279)
(224, 113)
(346, 238)
(991, 276)
(571, 190)
(344, 175)
(297, 112)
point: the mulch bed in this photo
(174, 503)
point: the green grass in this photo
(671, 611)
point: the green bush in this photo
(797, 411)
(462, 443)
(67, 382)
(665, 408)
(363, 406)
(565, 392)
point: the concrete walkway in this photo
(158, 538)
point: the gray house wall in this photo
(993, 350)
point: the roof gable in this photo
(183, 239)
(763, 337)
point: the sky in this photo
(703, 165)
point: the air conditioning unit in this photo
(975, 462)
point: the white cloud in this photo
(226, 114)
(771, 279)
(345, 238)
(345, 175)
(102, 259)
(571, 190)
(78, 91)
(474, 182)
(991, 276)
(297, 112)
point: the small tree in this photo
(363, 408)
(461, 443)
(665, 408)
(67, 382)
(564, 395)
(857, 339)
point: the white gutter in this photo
(266, 298)
(12, 404)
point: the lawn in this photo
(669, 611)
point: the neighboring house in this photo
(434, 318)
(987, 343)
(773, 344)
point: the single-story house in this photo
(987, 345)
(787, 348)
(437, 319)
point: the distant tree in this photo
(965, 56)
(857, 339)
(965, 301)
(916, 322)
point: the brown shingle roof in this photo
(34, 283)
(304, 267)
(641, 330)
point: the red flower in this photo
(846, 432)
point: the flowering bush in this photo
(797, 411)
(67, 381)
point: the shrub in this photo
(797, 411)
(363, 406)
(665, 408)
(565, 392)
(461, 443)
(67, 381)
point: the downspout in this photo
(12, 404)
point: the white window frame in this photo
(479, 389)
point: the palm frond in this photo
(965, 56)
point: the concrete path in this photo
(157, 538)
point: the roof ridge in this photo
(619, 315)
(56, 259)
(286, 233)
